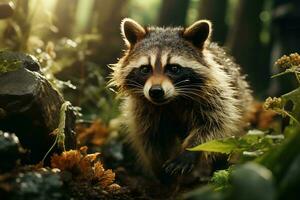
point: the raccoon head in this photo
(161, 64)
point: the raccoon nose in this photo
(156, 92)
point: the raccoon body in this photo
(179, 90)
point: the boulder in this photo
(30, 105)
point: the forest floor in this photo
(85, 173)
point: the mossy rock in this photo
(12, 61)
(30, 105)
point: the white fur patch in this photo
(147, 87)
(186, 62)
(164, 58)
(153, 57)
(143, 60)
(168, 89)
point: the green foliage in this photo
(84, 81)
(220, 179)
(274, 170)
(8, 62)
(7, 66)
(245, 182)
(253, 144)
(67, 60)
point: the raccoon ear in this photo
(198, 33)
(131, 31)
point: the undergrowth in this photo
(267, 163)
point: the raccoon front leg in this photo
(182, 164)
(185, 161)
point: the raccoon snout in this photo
(159, 93)
(156, 92)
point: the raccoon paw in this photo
(182, 164)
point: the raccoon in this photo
(179, 90)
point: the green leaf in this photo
(226, 145)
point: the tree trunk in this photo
(64, 17)
(245, 45)
(109, 15)
(17, 31)
(173, 12)
(215, 11)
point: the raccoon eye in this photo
(145, 69)
(174, 69)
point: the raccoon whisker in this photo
(139, 93)
(189, 89)
(187, 93)
(196, 84)
(136, 90)
(183, 81)
(193, 84)
(134, 85)
(188, 96)
(193, 98)
(193, 95)
(198, 87)
(133, 82)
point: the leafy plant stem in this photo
(60, 130)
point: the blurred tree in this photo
(286, 39)
(173, 12)
(64, 17)
(108, 15)
(17, 31)
(84, 23)
(215, 10)
(245, 44)
(144, 12)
